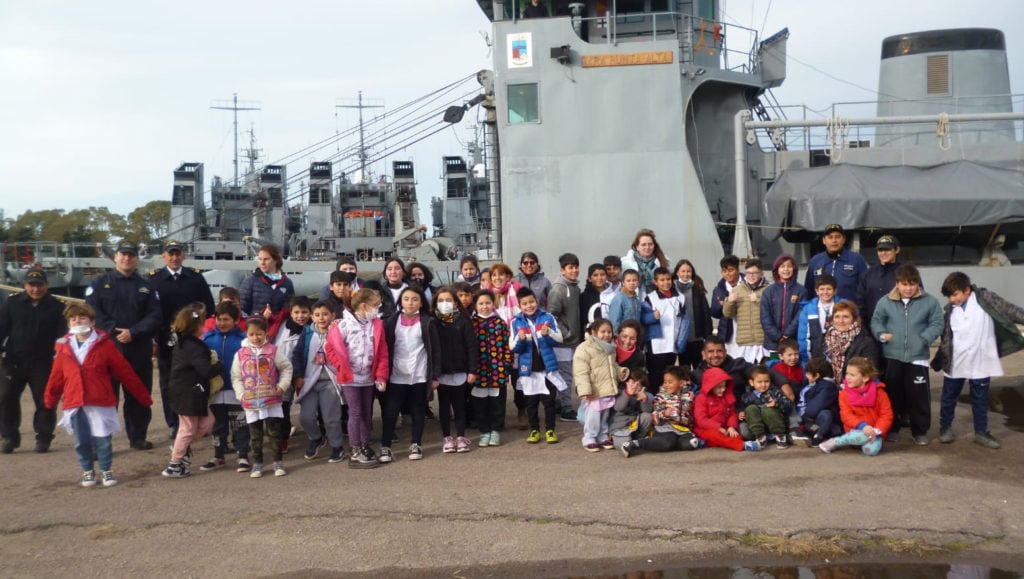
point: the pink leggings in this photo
(190, 428)
(714, 437)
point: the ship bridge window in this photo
(522, 104)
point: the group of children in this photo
(646, 375)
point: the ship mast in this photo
(233, 106)
(362, 136)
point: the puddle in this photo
(852, 571)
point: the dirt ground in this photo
(520, 509)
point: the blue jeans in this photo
(86, 444)
(951, 388)
(858, 438)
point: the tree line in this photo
(145, 224)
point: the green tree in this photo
(149, 223)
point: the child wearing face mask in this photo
(460, 368)
(356, 348)
(80, 379)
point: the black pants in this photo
(490, 412)
(136, 416)
(13, 380)
(656, 364)
(534, 400)
(163, 363)
(396, 402)
(272, 426)
(229, 419)
(452, 399)
(669, 441)
(908, 389)
(286, 422)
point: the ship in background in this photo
(609, 116)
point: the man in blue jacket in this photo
(837, 261)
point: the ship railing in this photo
(29, 253)
(702, 40)
(818, 138)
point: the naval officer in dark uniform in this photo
(177, 287)
(128, 309)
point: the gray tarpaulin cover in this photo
(961, 193)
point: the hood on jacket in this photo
(713, 377)
(895, 296)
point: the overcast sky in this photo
(101, 101)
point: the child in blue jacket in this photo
(228, 416)
(534, 336)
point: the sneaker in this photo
(385, 455)
(284, 447)
(449, 445)
(607, 444)
(782, 442)
(567, 415)
(186, 461)
(550, 437)
(752, 445)
(485, 439)
(175, 470)
(762, 441)
(946, 435)
(495, 438)
(368, 453)
(214, 464)
(592, 447)
(108, 478)
(314, 448)
(337, 454)
(243, 465)
(815, 441)
(921, 440)
(415, 452)
(360, 459)
(534, 437)
(88, 479)
(827, 446)
(629, 448)
(257, 471)
(799, 438)
(986, 439)
(462, 444)
(141, 445)
(279, 469)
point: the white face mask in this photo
(445, 308)
(374, 313)
(79, 330)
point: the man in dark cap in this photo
(837, 261)
(177, 287)
(878, 280)
(30, 323)
(128, 309)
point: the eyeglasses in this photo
(528, 263)
(755, 273)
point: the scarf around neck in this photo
(836, 344)
(621, 354)
(863, 397)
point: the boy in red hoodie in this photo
(715, 413)
(86, 357)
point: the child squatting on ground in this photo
(864, 408)
(672, 416)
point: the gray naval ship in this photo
(605, 116)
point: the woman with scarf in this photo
(846, 339)
(744, 305)
(268, 289)
(644, 256)
(698, 313)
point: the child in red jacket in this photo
(85, 359)
(864, 408)
(715, 413)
